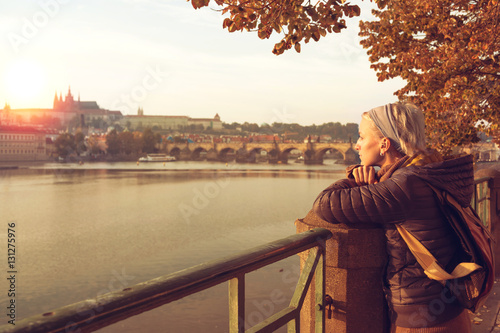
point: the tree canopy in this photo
(447, 51)
(298, 21)
(65, 144)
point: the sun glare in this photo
(24, 80)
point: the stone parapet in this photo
(355, 259)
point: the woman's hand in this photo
(364, 175)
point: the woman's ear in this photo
(385, 144)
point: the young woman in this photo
(392, 138)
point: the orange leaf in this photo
(232, 27)
(227, 22)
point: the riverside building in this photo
(20, 143)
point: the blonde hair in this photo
(410, 124)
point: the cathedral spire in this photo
(69, 101)
(55, 101)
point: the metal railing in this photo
(480, 200)
(107, 309)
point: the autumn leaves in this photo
(298, 22)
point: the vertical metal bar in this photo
(293, 326)
(305, 278)
(482, 203)
(237, 304)
(319, 276)
(474, 198)
(487, 204)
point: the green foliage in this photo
(113, 142)
(127, 142)
(65, 144)
(80, 143)
(149, 141)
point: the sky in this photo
(170, 59)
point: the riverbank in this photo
(327, 167)
(9, 167)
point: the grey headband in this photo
(383, 119)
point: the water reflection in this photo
(85, 231)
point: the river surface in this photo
(84, 230)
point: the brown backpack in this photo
(472, 279)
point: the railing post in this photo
(354, 262)
(237, 304)
(319, 275)
(494, 209)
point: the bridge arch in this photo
(286, 152)
(227, 154)
(176, 152)
(250, 152)
(338, 154)
(199, 154)
(255, 154)
(245, 156)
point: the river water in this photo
(84, 230)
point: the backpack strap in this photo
(431, 267)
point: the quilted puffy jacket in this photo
(414, 300)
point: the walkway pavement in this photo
(487, 319)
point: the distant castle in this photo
(86, 112)
(69, 104)
(67, 110)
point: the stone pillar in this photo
(212, 155)
(351, 157)
(185, 154)
(355, 259)
(494, 208)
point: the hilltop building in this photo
(214, 123)
(64, 111)
(85, 112)
(140, 121)
(67, 110)
(26, 134)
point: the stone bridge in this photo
(250, 152)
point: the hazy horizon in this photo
(170, 59)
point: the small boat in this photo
(157, 158)
(299, 159)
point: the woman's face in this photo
(369, 144)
